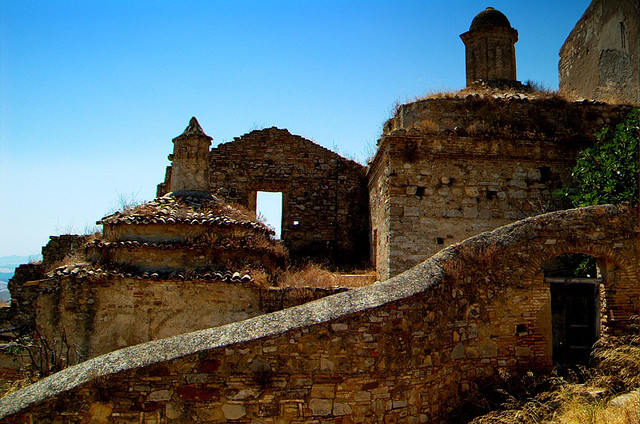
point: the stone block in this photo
(325, 391)
(321, 407)
(340, 409)
(159, 395)
(233, 411)
(458, 351)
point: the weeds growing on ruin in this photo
(588, 395)
(44, 355)
(310, 275)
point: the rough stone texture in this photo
(102, 313)
(489, 162)
(514, 116)
(599, 59)
(22, 311)
(403, 350)
(324, 211)
(490, 48)
(189, 159)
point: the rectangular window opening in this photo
(269, 210)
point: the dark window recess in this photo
(232, 192)
(439, 240)
(419, 191)
(491, 194)
(545, 174)
(521, 329)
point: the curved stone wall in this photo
(400, 350)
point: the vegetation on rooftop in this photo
(530, 89)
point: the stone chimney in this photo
(490, 48)
(190, 160)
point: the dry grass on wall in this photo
(310, 275)
(318, 276)
(605, 393)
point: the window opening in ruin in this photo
(439, 240)
(545, 174)
(269, 210)
(575, 307)
(419, 191)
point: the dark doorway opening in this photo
(574, 319)
(575, 307)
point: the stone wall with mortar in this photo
(490, 54)
(22, 311)
(172, 258)
(486, 162)
(516, 116)
(404, 350)
(599, 59)
(380, 208)
(103, 314)
(324, 196)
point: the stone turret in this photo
(490, 48)
(190, 160)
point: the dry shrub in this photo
(583, 410)
(615, 371)
(311, 275)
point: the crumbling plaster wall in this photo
(405, 349)
(599, 59)
(23, 309)
(103, 314)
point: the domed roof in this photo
(489, 17)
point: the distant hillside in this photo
(8, 265)
(13, 261)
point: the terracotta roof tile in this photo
(187, 210)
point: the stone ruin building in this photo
(461, 186)
(599, 59)
(324, 195)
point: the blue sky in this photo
(91, 93)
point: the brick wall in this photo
(404, 350)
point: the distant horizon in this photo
(93, 92)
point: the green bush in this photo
(607, 172)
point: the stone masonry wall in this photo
(599, 59)
(23, 295)
(380, 209)
(512, 116)
(447, 169)
(325, 206)
(404, 350)
(442, 190)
